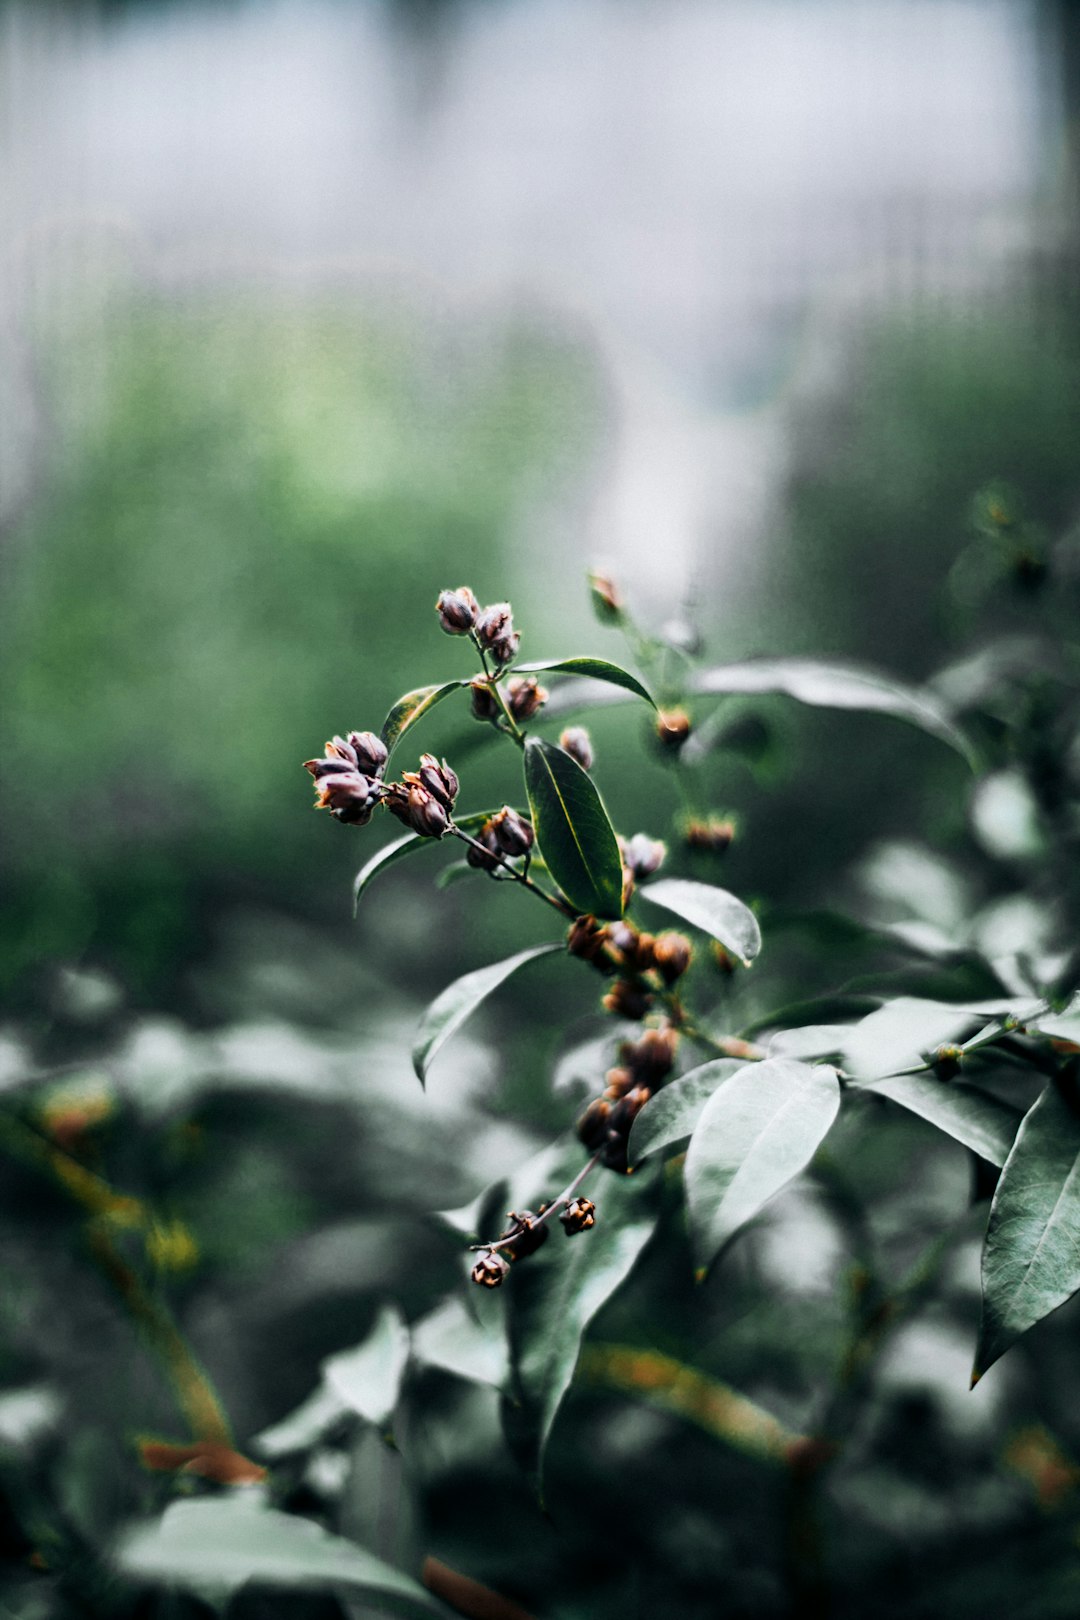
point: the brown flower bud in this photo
(592, 1127)
(504, 649)
(524, 696)
(606, 601)
(713, 834)
(484, 703)
(588, 939)
(643, 855)
(619, 1082)
(487, 859)
(652, 1057)
(527, 1232)
(370, 751)
(349, 797)
(411, 803)
(439, 780)
(457, 610)
(513, 834)
(578, 1216)
(623, 937)
(626, 1111)
(493, 623)
(627, 999)
(672, 729)
(946, 1060)
(672, 954)
(490, 1270)
(723, 960)
(576, 742)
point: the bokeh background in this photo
(310, 308)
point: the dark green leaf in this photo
(449, 1011)
(453, 874)
(981, 1121)
(598, 669)
(838, 686)
(224, 1541)
(673, 1113)
(411, 707)
(575, 836)
(757, 1131)
(1031, 1257)
(714, 910)
(450, 1338)
(367, 1379)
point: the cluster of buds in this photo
(641, 963)
(492, 628)
(424, 799)
(348, 778)
(643, 1066)
(525, 1234)
(504, 834)
(712, 833)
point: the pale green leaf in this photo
(449, 1011)
(713, 910)
(411, 707)
(981, 1121)
(450, 1338)
(673, 1113)
(367, 1379)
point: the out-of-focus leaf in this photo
(1005, 817)
(598, 669)
(575, 836)
(981, 1121)
(302, 1428)
(577, 1280)
(838, 686)
(449, 1011)
(673, 1113)
(809, 1041)
(755, 1134)
(1031, 1257)
(450, 1338)
(226, 1540)
(453, 874)
(578, 1072)
(411, 707)
(901, 1034)
(713, 910)
(367, 1379)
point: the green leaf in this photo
(572, 1285)
(575, 836)
(407, 845)
(755, 1134)
(901, 1034)
(673, 1113)
(598, 669)
(1031, 1256)
(448, 1337)
(838, 686)
(223, 1541)
(453, 874)
(411, 707)
(809, 1041)
(981, 1121)
(367, 1379)
(713, 910)
(303, 1427)
(449, 1011)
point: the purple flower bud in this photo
(370, 752)
(487, 858)
(504, 649)
(643, 855)
(513, 834)
(424, 814)
(484, 703)
(576, 742)
(338, 748)
(493, 623)
(440, 780)
(457, 610)
(524, 696)
(349, 796)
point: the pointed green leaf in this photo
(367, 1379)
(757, 1131)
(411, 707)
(407, 845)
(838, 686)
(598, 669)
(223, 1541)
(901, 1034)
(449, 1011)
(575, 836)
(713, 910)
(1031, 1257)
(981, 1121)
(673, 1113)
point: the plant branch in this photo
(518, 877)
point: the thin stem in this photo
(513, 729)
(519, 877)
(546, 1213)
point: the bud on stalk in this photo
(606, 601)
(484, 702)
(457, 611)
(643, 855)
(524, 696)
(370, 751)
(513, 834)
(672, 954)
(578, 1216)
(490, 1270)
(576, 742)
(672, 729)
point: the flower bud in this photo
(723, 960)
(619, 1082)
(627, 1000)
(606, 601)
(672, 954)
(643, 855)
(493, 623)
(348, 796)
(576, 742)
(578, 1216)
(440, 780)
(589, 939)
(486, 859)
(592, 1127)
(457, 611)
(490, 1270)
(412, 804)
(484, 702)
(652, 1058)
(370, 751)
(504, 649)
(713, 834)
(528, 1232)
(524, 696)
(672, 729)
(513, 834)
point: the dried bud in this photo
(490, 1270)
(513, 834)
(606, 601)
(348, 796)
(504, 649)
(672, 729)
(494, 623)
(619, 1082)
(485, 705)
(622, 1116)
(487, 859)
(627, 999)
(370, 751)
(643, 855)
(411, 803)
(457, 611)
(592, 1127)
(524, 696)
(672, 954)
(652, 1057)
(576, 742)
(713, 834)
(527, 1231)
(439, 780)
(589, 939)
(578, 1216)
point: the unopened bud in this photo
(578, 1216)
(487, 858)
(576, 742)
(348, 796)
(652, 1057)
(947, 1061)
(513, 834)
(713, 834)
(643, 855)
(527, 1233)
(524, 696)
(439, 779)
(493, 623)
(457, 611)
(592, 1127)
(619, 1082)
(627, 999)
(588, 939)
(504, 649)
(485, 705)
(417, 808)
(672, 729)
(370, 751)
(723, 960)
(606, 601)
(672, 954)
(490, 1270)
